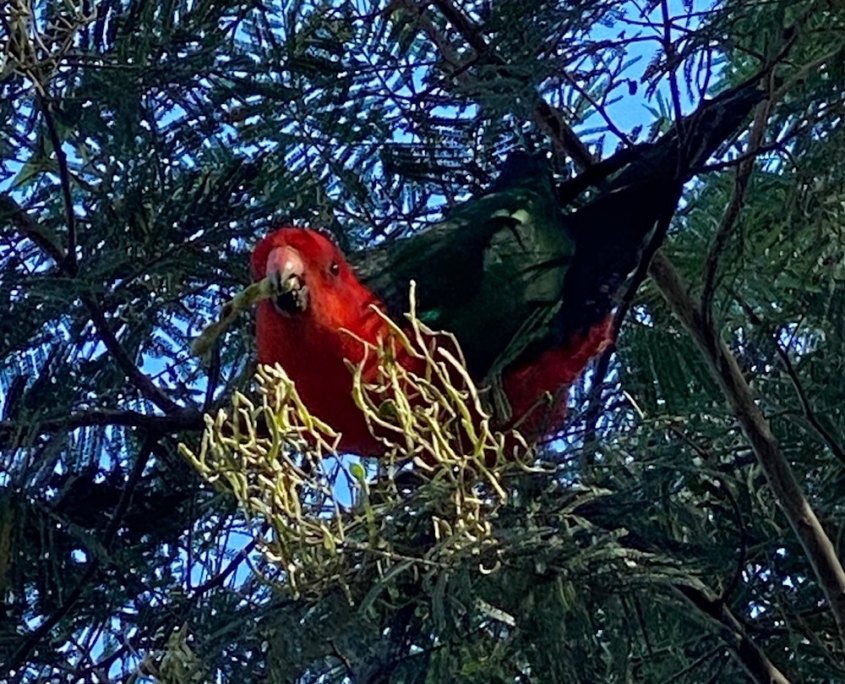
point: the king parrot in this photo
(526, 288)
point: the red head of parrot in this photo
(324, 316)
(315, 324)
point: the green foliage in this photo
(145, 146)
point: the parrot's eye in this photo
(334, 269)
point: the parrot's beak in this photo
(287, 271)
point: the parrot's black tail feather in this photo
(612, 230)
(517, 270)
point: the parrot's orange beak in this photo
(286, 269)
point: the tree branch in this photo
(742, 158)
(725, 369)
(547, 117)
(562, 135)
(809, 414)
(728, 222)
(11, 432)
(30, 229)
(9, 208)
(220, 578)
(755, 663)
(69, 265)
(671, 60)
(463, 25)
(149, 390)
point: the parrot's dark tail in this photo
(632, 208)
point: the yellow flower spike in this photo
(434, 418)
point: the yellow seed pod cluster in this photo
(328, 517)
(33, 46)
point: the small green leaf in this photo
(358, 472)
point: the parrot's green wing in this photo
(493, 266)
(511, 273)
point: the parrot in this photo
(526, 287)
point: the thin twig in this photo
(731, 214)
(12, 431)
(809, 414)
(601, 110)
(463, 25)
(725, 369)
(740, 159)
(669, 49)
(549, 118)
(29, 228)
(722, 480)
(23, 222)
(752, 659)
(220, 578)
(150, 391)
(70, 263)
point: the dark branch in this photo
(14, 433)
(671, 60)
(220, 578)
(723, 366)
(30, 229)
(147, 387)
(70, 264)
(549, 118)
(463, 25)
(11, 210)
(729, 218)
(809, 414)
(755, 663)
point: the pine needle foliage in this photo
(146, 146)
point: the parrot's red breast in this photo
(303, 330)
(307, 341)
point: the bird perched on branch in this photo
(526, 288)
